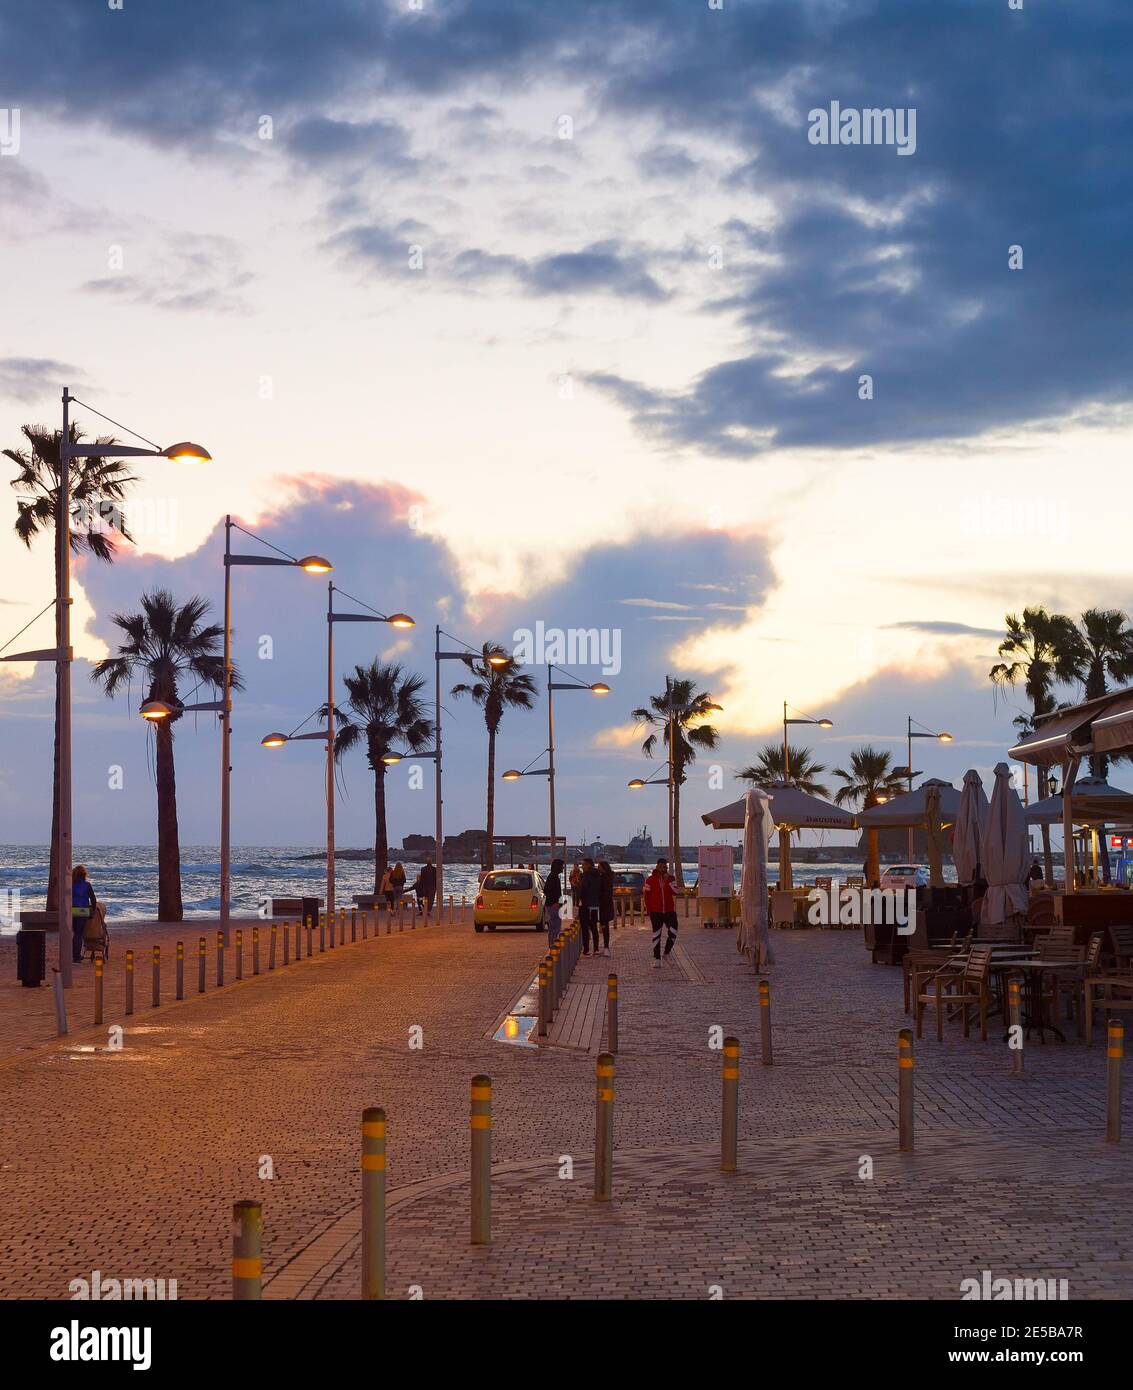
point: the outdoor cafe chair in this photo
(965, 988)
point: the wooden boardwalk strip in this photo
(580, 1018)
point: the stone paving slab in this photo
(128, 1162)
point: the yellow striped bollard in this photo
(353, 925)
(1115, 1050)
(255, 950)
(905, 1089)
(271, 947)
(373, 1203)
(202, 947)
(239, 954)
(364, 924)
(342, 926)
(765, 1022)
(322, 932)
(220, 957)
(247, 1259)
(129, 982)
(98, 989)
(730, 1123)
(451, 910)
(310, 924)
(543, 997)
(612, 1012)
(481, 1125)
(604, 1129)
(156, 977)
(1014, 1026)
(180, 970)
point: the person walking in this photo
(83, 904)
(590, 902)
(386, 889)
(605, 904)
(425, 886)
(552, 899)
(397, 881)
(661, 904)
(575, 880)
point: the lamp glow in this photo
(945, 738)
(512, 775)
(155, 710)
(401, 620)
(499, 661)
(314, 564)
(600, 688)
(187, 452)
(390, 758)
(273, 740)
(636, 784)
(826, 723)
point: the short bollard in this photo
(287, 943)
(905, 1089)
(730, 1123)
(373, 1203)
(129, 982)
(543, 1002)
(60, 1002)
(322, 932)
(557, 974)
(353, 925)
(255, 950)
(765, 1022)
(180, 970)
(271, 947)
(220, 958)
(481, 1125)
(612, 1012)
(239, 954)
(342, 926)
(202, 947)
(310, 938)
(389, 920)
(401, 914)
(604, 1130)
(1014, 1026)
(463, 906)
(98, 989)
(247, 1263)
(156, 977)
(451, 917)
(363, 926)
(1115, 1050)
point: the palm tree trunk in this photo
(381, 831)
(678, 867)
(489, 848)
(872, 862)
(169, 905)
(785, 880)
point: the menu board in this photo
(715, 864)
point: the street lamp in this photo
(512, 775)
(61, 653)
(801, 719)
(309, 564)
(922, 731)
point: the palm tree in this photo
(165, 644)
(495, 689)
(1041, 647)
(384, 708)
(871, 779)
(98, 485)
(768, 770)
(690, 706)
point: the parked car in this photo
(629, 884)
(905, 876)
(509, 898)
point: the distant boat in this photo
(641, 849)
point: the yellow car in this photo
(509, 898)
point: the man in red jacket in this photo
(661, 904)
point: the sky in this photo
(532, 313)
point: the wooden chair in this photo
(1121, 943)
(965, 988)
(824, 882)
(1040, 911)
(1115, 987)
(855, 881)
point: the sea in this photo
(125, 876)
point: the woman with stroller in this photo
(83, 904)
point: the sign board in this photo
(715, 865)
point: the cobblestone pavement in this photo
(128, 1162)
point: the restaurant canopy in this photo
(1093, 802)
(791, 809)
(908, 809)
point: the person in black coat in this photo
(590, 902)
(605, 904)
(552, 900)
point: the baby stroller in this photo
(96, 937)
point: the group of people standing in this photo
(591, 887)
(424, 886)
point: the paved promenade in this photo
(128, 1162)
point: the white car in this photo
(905, 876)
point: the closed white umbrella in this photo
(753, 939)
(1004, 852)
(970, 821)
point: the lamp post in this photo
(310, 564)
(439, 656)
(61, 653)
(513, 775)
(910, 734)
(801, 719)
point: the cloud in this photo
(324, 144)
(194, 272)
(945, 629)
(25, 379)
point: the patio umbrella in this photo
(754, 940)
(970, 821)
(1093, 802)
(791, 809)
(933, 838)
(1004, 852)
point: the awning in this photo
(1113, 732)
(909, 809)
(1092, 802)
(789, 807)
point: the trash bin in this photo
(31, 956)
(311, 912)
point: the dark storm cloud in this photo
(321, 143)
(895, 267)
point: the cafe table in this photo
(1033, 1008)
